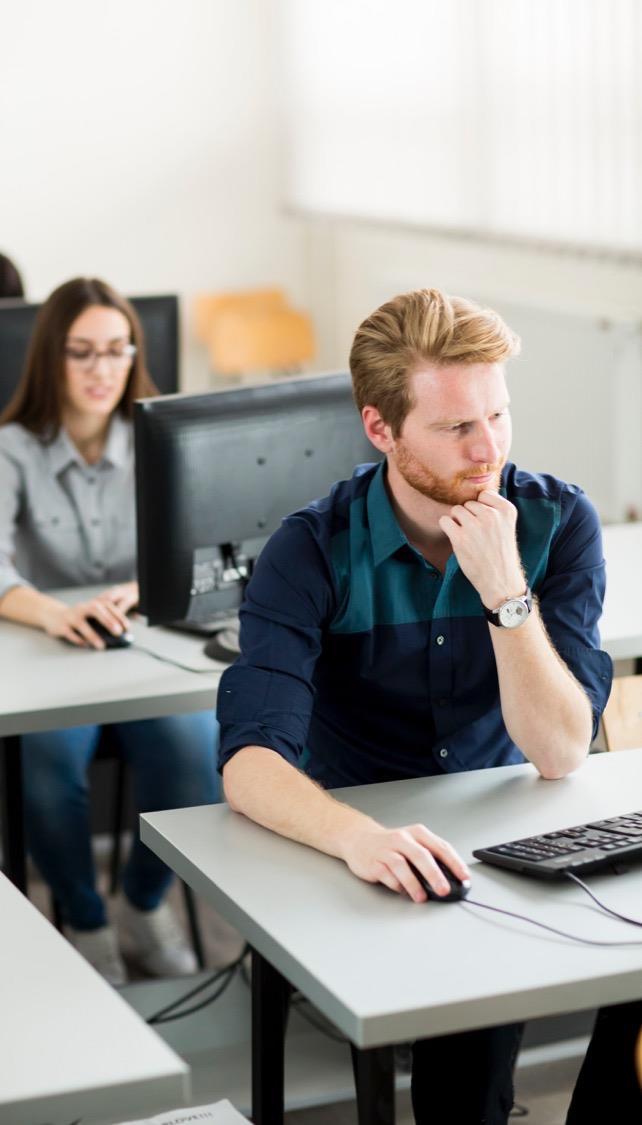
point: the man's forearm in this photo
(260, 784)
(288, 802)
(546, 712)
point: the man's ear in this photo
(377, 431)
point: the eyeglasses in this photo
(86, 358)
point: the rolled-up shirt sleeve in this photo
(571, 598)
(266, 697)
(11, 492)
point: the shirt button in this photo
(442, 701)
(91, 480)
(443, 753)
(440, 640)
(95, 522)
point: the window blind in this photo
(506, 118)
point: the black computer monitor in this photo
(216, 473)
(159, 318)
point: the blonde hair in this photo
(425, 325)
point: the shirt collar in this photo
(385, 534)
(63, 452)
(118, 448)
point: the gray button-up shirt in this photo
(64, 522)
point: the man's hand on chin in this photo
(482, 535)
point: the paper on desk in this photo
(221, 1113)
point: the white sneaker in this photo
(100, 948)
(158, 943)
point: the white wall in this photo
(139, 142)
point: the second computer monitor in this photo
(159, 319)
(215, 475)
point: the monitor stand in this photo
(222, 633)
(224, 645)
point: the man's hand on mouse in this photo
(70, 622)
(381, 855)
(482, 535)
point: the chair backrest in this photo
(622, 718)
(246, 342)
(207, 306)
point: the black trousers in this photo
(607, 1088)
(466, 1078)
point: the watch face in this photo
(512, 613)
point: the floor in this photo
(544, 1089)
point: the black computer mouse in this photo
(110, 640)
(458, 889)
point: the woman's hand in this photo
(124, 596)
(70, 621)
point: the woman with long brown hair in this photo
(67, 518)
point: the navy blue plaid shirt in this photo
(361, 662)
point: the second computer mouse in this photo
(110, 640)
(458, 889)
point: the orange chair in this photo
(253, 342)
(207, 306)
(622, 718)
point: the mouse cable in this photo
(602, 905)
(543, 925)
(164, 1015)
(228, 975)
(168, 660)
(167, 1015)
(228, 972)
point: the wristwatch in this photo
(511, 613)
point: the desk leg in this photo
(374, 1078)
(270, 1000)
(12, 812)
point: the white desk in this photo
(386, 970)
(70, 1047)
(46, 684)
(621, 624)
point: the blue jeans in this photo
(173, 765)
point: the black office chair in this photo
(108, 750)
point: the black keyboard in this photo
(599, 846)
